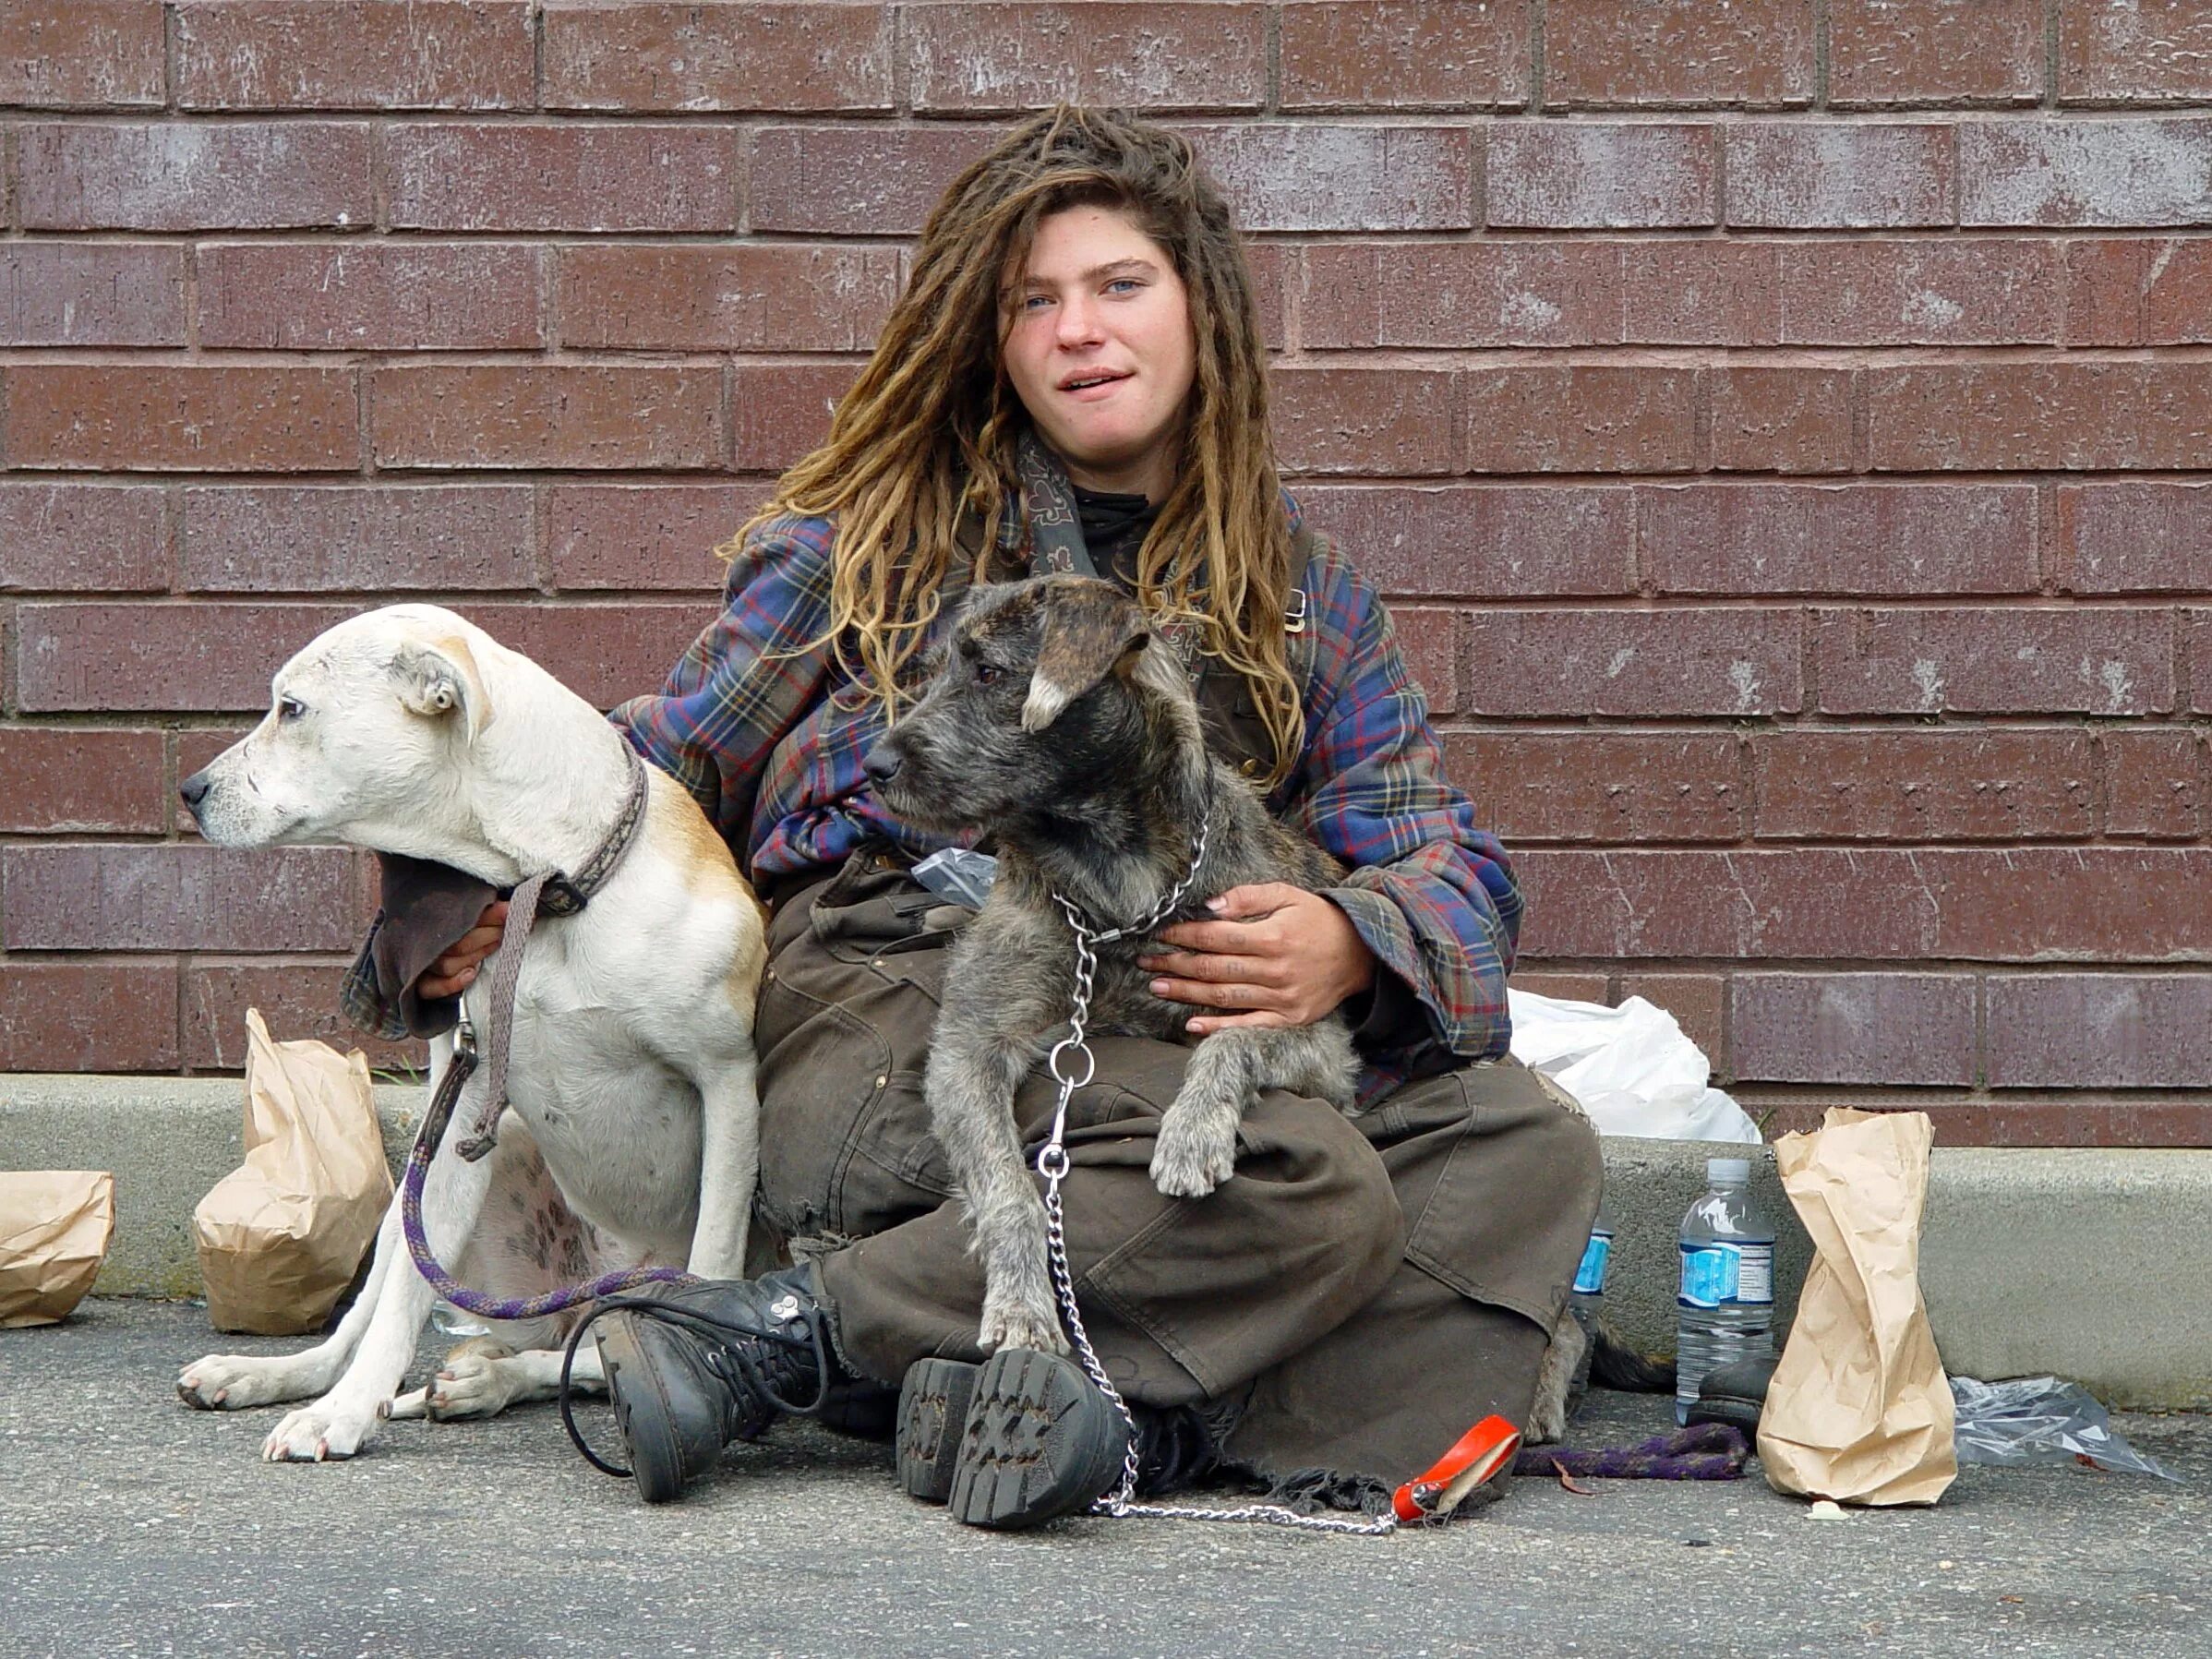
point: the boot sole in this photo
(932, 1410)
(656, 1461)
(1039, 1441)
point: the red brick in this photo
(1995, 662)
(2139, 290)
(1911, 539)
(1364, 420)
(557, 415)
(2153, 783)
(1320, 176)
(2078, 1118)
(95, 780)
(299, 999)
(91, 294)
(1980, 293)
(1592, 174)
(1698, 1002)
(2196, 626)
(1601, 785)
(1602, 55)
(1565, 986)
(1635, 663)
(1597, 419)
(83, 539)
(375, 296)
(964, 59)
(1924, 785)
(117, 896)
(2021, 416)
(2135, 539)
(626, 56)
(856, 181)
(644, 535)
(1270, 264)
(1489, 541)
(2016, 904)
(2101, 1031)
(1364, 54)
(2083, 172)
(2144, 52)
(1852, 1027)
(1934, 52)
(1702, 292)
(88, 1017)
(129, 418)
(693, 297)
(356, 538)
(1781, 420)
(1467, 294)
(80, 54)
(1429, 640)
(781, 414)
(634, 176)
(351, 54)
(219, 656)
(195, 176)
(1840, 175)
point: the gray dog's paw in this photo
(1188, 1161)
(1006, 1326)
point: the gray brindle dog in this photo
(1062, 726)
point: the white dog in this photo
(631, 1135)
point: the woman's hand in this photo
(1277, 957)
(456, 970)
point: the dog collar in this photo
(1476, 1456)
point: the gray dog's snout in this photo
(880, 763)
(194, 790)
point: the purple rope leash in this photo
(1704, 1451)
(418, 1243)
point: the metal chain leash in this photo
(1053, 1165)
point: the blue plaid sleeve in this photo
(748, 679)
(1432, 894)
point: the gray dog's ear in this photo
(441, 678)
(1088, 633)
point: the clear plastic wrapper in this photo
(958, 875)
(2030, 1420)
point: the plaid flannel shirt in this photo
(769, 737)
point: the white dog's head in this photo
(366, 741)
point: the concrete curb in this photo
(2072, 1261)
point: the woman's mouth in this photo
(1093, 384)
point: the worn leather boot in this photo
(692, 1367)
(1026, 1438)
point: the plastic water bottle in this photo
(1588, 1297)
(1724, 1302)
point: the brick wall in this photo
(1782, 426)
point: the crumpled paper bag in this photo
(54, 1227)
(1859, 1410)
(282, 1236)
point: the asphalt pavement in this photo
(132, 1525)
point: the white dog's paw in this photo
(1189, 1160)
(1007, 1325)
(468, 1385)
(318, 1433)
(231, 1382)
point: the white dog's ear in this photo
(441, 678)
(1088, 633)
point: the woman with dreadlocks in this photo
(1074, 379)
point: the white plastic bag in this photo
(1631, 1067)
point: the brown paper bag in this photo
(54, 1226)
(1859, 1410)
(281, 1237)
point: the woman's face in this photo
(1098, 345)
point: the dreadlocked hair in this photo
(928, 432)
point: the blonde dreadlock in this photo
(928, 431)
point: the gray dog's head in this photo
(1051, 696)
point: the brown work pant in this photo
(1358, 1293)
